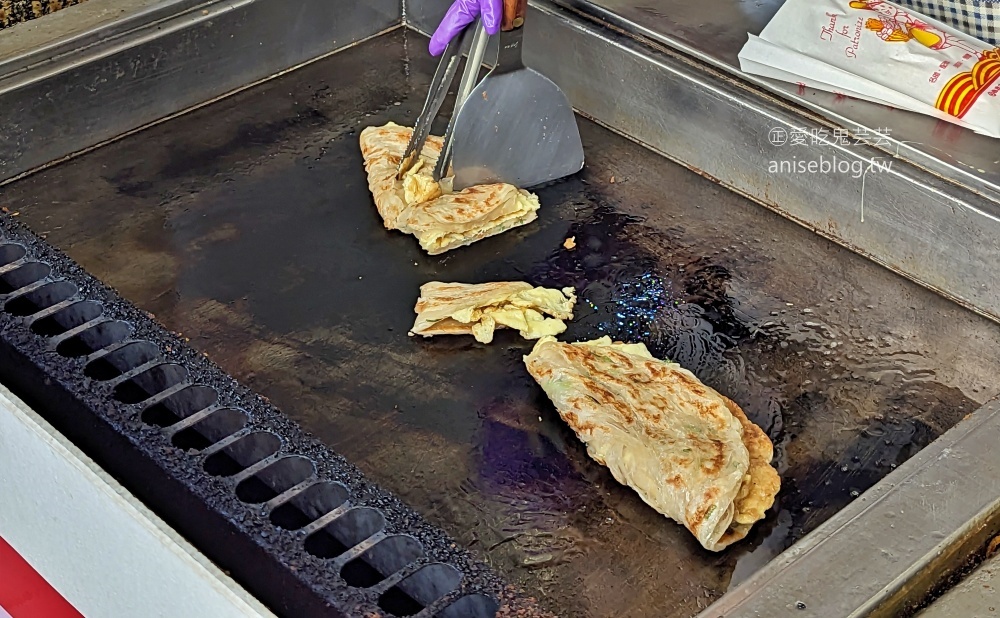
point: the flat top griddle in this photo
(247, 225)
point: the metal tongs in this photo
(443, 78)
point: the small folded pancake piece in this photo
(689, 452)
(440, 218)
(480, 308)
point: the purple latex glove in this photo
(461, 14)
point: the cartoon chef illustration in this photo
(895, 25)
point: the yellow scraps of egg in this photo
(524, 311)
(419, 188)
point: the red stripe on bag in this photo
(24, 593)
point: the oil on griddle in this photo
(247, 226)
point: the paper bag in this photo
(768, 60)
(877, 48)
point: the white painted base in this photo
(95, 543)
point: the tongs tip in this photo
(443, 77)
(406, 164)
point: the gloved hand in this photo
(461, 14)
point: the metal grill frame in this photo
(104, 416)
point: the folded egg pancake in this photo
(689, 452)
(480, 309)
(440, 218)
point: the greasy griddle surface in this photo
(248, 226)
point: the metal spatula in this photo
(516, 126)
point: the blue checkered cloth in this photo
(980, 18)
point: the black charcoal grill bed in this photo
(247, 227)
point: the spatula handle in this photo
(513, 14)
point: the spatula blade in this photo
(517, 128)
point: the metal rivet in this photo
(518, 22)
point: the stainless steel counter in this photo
(634, 70)
(68, 87)
(714, 31)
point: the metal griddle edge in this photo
(162, 82)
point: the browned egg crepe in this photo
(689, 452)
(440, 218)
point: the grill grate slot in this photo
(243, 453)
(122, 360)
(275, 479)
(383, 559)
(309, 505)
(10, 253)
(152, 381)
(144, 375)
(345, 532)
(420, 589)
(216, 426)
(43, 297)
(180, 405)
(472, 606)
(95, 338)
(77, 314)
(22, 276)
